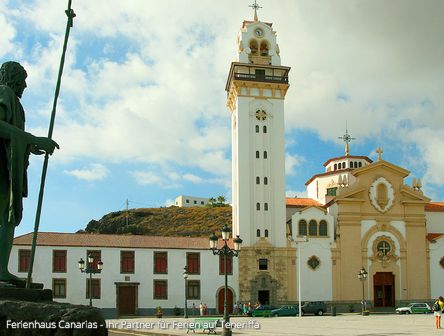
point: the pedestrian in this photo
(201, 309)
(194, 308)
(236, 308)
(205, 309)
(438, 307)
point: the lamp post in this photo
(90, 270)
(185, 276)
(298, 241)
(225, 251)
(362, 275)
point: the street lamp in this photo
(298, 241)
(185, 276)
(90, 270)
(362, 275)
(225, 251)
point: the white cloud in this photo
(193, 178)
(292, 162)
(294, 194)
(95, 172)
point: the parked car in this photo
(314, 307)
(263, 311)
(415, 308)
(285, 311)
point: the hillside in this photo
(171, 221)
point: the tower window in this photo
(258, 206)
(257, 128)
(265, 180)
(343, 165)
(265, 129)
(265, 154)
(258, 233)
(258, 180)
(257, 154)
(264, 48)
(253, 47)
(266, 206)
(266, 233)
(259, 74)
(302, 227)
(263, 264)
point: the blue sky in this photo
(142, 114)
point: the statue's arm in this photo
(8, 131)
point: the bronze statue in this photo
(15, 147)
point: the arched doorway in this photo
(384, 289)
(220, 300)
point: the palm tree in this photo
(211, 200)
(221, 200)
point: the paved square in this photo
(347, 324)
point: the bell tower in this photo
(256, 88)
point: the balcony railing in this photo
(261, 78)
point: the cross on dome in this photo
(347, 139)
(255, 6)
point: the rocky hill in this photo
(171, 221)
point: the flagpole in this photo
(70, 14)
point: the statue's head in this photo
(13, 75)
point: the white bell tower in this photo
(256, 88)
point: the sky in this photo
(142, 111)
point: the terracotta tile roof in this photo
(301, 202)
(329, 173)
(433, 236)
(435, 207)
(121, 241)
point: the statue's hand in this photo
(43, 144)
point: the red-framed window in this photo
(59, 261)
(193, 263)
(59, 288)
(126, 261)
(24, 260)
(222, 264)
(97, 255)
(160, 262)
(160, 290)
(95, 288)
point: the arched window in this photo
(360, 164)
(335, 167)
(266, 233)
(258, 180)
(253, 47)
(265, 129)
(302, 227)
(264, 48)
(258, 233)
(323, 228)
(265, 154)
(258, 206)
(313, 228)
(265, 180)
(257, 154)
(257, 128)
(343, 165)
(266, 206)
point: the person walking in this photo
(438, 307)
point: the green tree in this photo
(221, 200)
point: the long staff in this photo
(70, 14)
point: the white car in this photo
(415, 308)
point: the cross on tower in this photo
(347, 138)
(255, 6)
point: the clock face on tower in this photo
(259, 32)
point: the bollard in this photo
(333, 311)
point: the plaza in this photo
(345, 324)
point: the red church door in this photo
(384, 289)
(220, 301)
